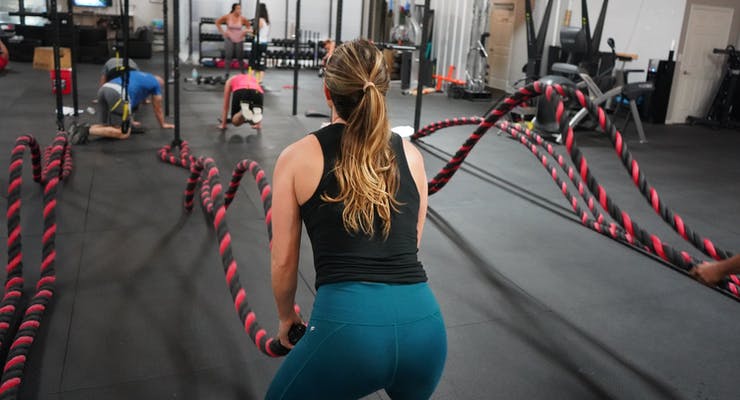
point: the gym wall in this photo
(642, 27)
(629, 22)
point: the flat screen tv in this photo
(92, 3)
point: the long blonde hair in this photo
(366, 168)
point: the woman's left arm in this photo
(286, 241)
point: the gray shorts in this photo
(110, 105)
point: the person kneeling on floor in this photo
(113, 68)
(110, 108)
(246, 97)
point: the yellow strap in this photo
(125, 111)
(119, 65)
(125, 108)
(116, 105)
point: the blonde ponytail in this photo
(366, 167)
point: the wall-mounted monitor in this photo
(92, 3)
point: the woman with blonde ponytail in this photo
(361, 191)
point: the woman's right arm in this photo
(286, 240)
(225, 108)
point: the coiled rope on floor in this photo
(57, 166)
(652, 242)
(215, 203)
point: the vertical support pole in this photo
(176, 68)
(57, 61)
(295, 61)
(190, 31)
(371, 13)
(339, 22)
(422, 61)
(383, 17)
(22, 9)
(287, 6)
(74, 50)
(255, 38)
(331, 8)
(362, 18)
(165, 27)
(125, 124)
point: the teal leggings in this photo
(363, 337)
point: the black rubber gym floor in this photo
(536, 305)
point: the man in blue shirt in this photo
(110, 108)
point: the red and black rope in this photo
(446, 173)
(215, 202)
(655, 245)
(652, 242)
(57, 167)
(638, 178)
(433, 127)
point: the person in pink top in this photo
(234, 35)
(246, 95)
(4, 56)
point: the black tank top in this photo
(340, 256)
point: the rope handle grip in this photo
(295, 334)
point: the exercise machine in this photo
(535, 41)
(725, 109)
(594, 73)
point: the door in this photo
(503, 15)
(699, 70)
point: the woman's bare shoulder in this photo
(302, 150)
(413, 155)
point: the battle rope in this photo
(431, 128)
(685, 261)
(435, 126)
(57, 167)
(643, 239)
(638, 178)
(215, 202)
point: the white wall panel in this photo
(643, 27)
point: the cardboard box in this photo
(388, 55)
(43, 58)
